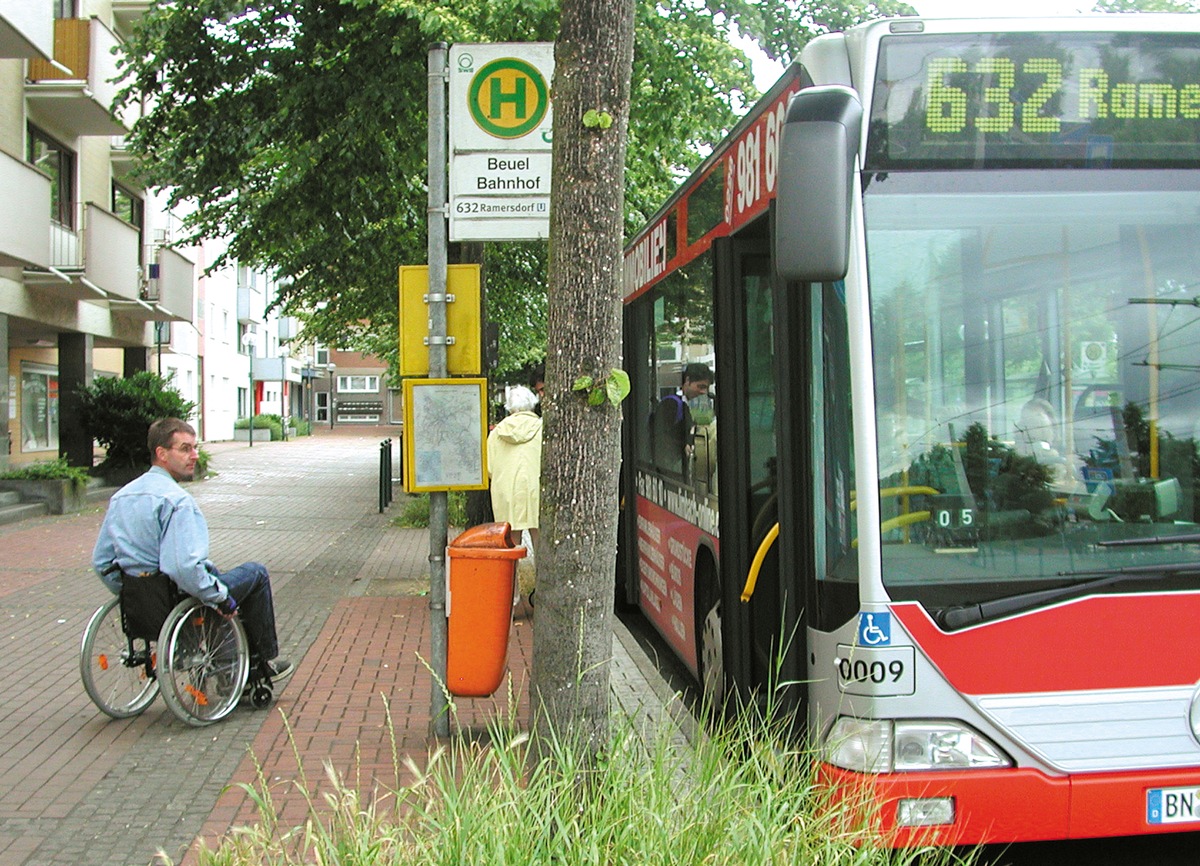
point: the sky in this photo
(766, 71)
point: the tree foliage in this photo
(784, 27)
(1146, 6)
(296, 130)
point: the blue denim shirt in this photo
(153, 524)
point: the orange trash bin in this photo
(479, 602)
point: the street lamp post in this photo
(283, 412)
(248, 343)
(332, 393)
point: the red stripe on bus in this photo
(1102, 642)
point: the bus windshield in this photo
(1037, 380)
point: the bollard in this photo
(385, 474)
(391, 489)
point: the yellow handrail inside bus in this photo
(903, 520)
(885, 492)
(756, 565)
(891, 523)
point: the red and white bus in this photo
(946, 275)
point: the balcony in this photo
(26, 29)
(119, 156)
(126, 13)
(252, 305)
(278, 368)
(170, 293)
(78, 97)
(96, 262)
(25, 218)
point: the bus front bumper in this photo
(1018, 804)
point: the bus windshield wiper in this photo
(1183, 538)
(964, 615)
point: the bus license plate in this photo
(1173, 805)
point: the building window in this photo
(39, 407)
(242, 346)
(322, 405)
(128, 206)
(57, 162)
(358, 384)
(64, 8)
(322, 356)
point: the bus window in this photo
(831, 396)
(1035, 375)
(683, 360)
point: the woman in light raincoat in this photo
(514, 450)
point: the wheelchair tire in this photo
(118, 674)
(203, 663)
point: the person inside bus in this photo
(671, 424)
(1037, 436)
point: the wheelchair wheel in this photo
(118, 673)
(203, 663)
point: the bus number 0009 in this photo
(861, 670)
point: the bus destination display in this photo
(1024, 100)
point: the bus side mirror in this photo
(816, 175)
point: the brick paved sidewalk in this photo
(81, 788)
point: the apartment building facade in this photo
(90, 284)
(86, 275)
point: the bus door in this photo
(756, 633)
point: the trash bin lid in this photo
(487, 535)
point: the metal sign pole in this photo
(438, 515)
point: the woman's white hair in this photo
(520, 399)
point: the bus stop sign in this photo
(500, 141)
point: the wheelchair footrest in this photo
(259, 688)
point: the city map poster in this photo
(445, 434)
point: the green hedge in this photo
(274, 423)
(49, 469)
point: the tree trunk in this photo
(572, 634)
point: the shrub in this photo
(203, 460)
(262, 422)
(415, 512)
(49, 469)
(118, 413)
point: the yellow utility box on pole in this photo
(463, 338)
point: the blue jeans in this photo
(250, 586)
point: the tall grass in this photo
(744, 794)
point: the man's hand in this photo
(228, 607)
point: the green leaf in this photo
(595, 397)
(592, 119)
(583, 383)
(617, 386)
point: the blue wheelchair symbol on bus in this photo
(874, 629)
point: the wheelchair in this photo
(154, 638)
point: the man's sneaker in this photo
(280, 670)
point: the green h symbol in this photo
(499, 97)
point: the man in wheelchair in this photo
(154, 527)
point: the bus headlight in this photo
(885, 746)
